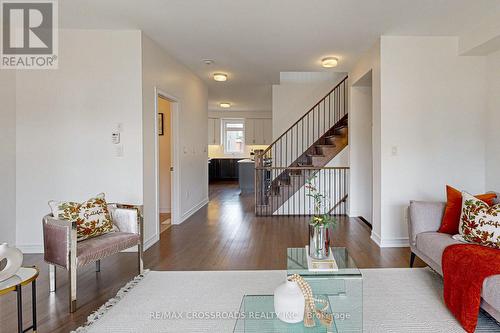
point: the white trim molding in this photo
(193, 210)
(150, 241)
(393, 242)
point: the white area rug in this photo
(394, 300)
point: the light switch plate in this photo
(118, 150)
(394, 151)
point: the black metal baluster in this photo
(324, 117)
(312, 126)
(329, 110)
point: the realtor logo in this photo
(29, 34)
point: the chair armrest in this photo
(424, 216)
(59, 239)
(127, 218)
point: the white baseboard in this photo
(393, 242)
(193, 210)
(151, 241)
(165, 210)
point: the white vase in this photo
(289, 302)
(14, 261)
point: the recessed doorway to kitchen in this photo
(234, 137)
(165, 162)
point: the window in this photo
(233, 135)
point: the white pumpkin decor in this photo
(289, 302)
(14, 261)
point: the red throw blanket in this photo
(465, 267)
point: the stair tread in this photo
(334, 134)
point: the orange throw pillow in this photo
(451, 217)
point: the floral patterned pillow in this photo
(479, 223)
(92, 216)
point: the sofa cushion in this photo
(97, 248)
(480, 222)
(491, 291)
(432, 244)
(451, 217)
(92, 216)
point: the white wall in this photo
(64, 122)
(292, 100)
(162, 71)
(493, 120)
(8, 157)
(240, 114)
(164, 156)
(483, 38)
(370, 61)
(433, 113)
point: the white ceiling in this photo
(254, 40)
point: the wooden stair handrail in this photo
(342, 200)
(301, 168)
(304, 115)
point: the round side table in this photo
(24, 276)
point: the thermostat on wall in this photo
(115, 138)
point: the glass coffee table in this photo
(343, 289)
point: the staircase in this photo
(304, 151)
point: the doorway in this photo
(164, 162)
(361, 149)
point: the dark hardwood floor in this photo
(224, 235)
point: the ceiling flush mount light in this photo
(225, 105)
(329, 62)
(221, 77)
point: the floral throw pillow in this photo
(479, 223)
(92, 216)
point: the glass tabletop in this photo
(257, 315)
(297, 263)
(24, 276)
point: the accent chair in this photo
(62, 250)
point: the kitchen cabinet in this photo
(213, 170)
(214, 133)
(223, 169)
(268, 132)
(249, 131)
(258, 131)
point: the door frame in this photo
(174, 144)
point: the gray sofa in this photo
(428, 245)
